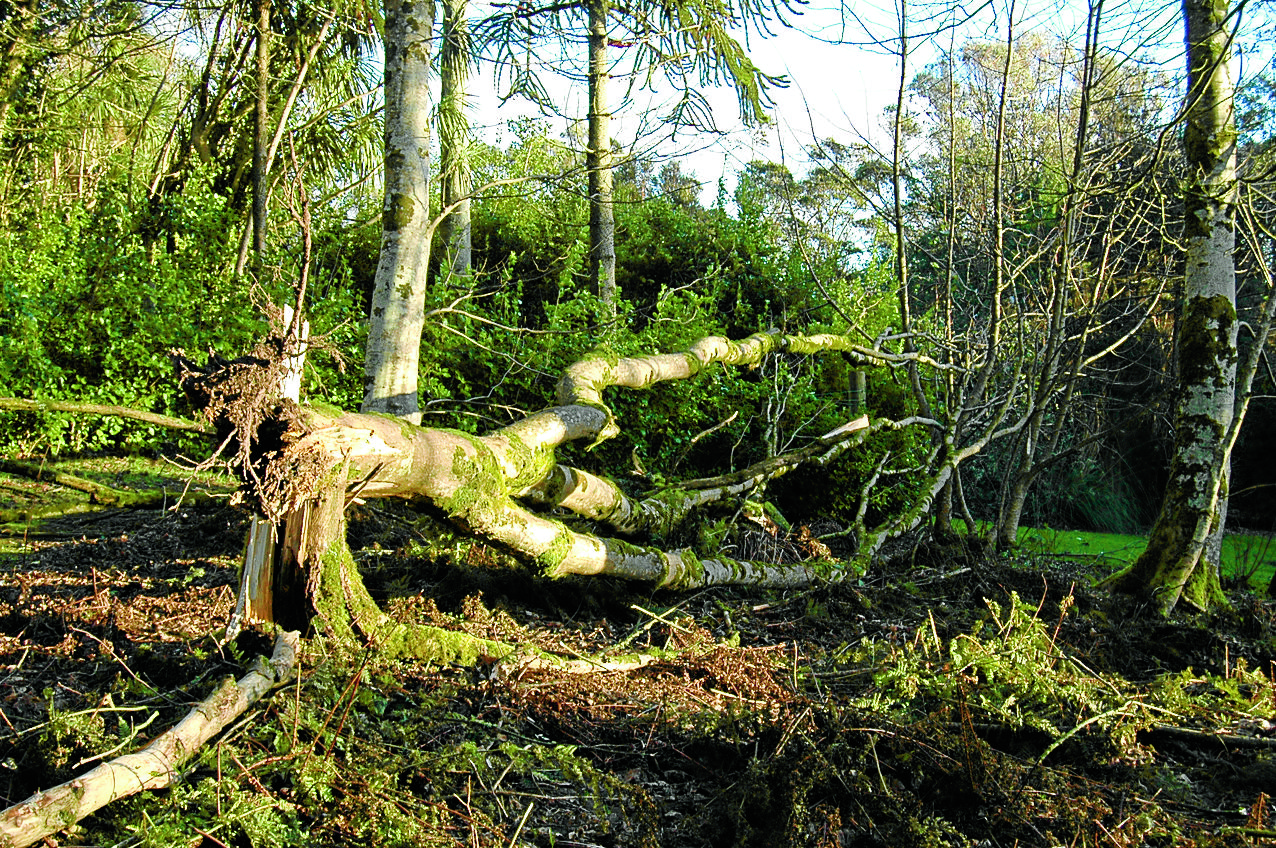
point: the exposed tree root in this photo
(155, 766)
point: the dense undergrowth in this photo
(949, 700)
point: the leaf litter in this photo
(950, 700)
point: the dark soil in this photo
(847, 715)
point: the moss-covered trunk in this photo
(1175, 566)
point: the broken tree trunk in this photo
(270, 588)
(480, 481)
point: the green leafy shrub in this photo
(95, 308)
(95, 299)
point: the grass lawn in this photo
(1244, 555)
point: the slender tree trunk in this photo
(1000, 281)
(260, 135)
(1175, 565)
(13, 35)
(1000, 277)
(1020, 482)
(897, 213)
(992, 359)
(398, 297)
(943, 530)
(602, 220)
(454, 132)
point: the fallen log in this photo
(291, 454)
(156, 765)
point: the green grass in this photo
(1248, 556)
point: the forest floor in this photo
(945, 699)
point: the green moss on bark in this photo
(533, 463)
(482, 487)
(399, 212)
(1207, 350)
(553, 556)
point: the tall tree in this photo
(1033, 188)
(602, 216)
(455, 56)
(690, 43)
(261, 133)
(397, 311)
(1179, 563)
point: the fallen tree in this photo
(301, 466)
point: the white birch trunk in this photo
(398, 298)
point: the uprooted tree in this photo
(302, 465)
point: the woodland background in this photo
(128, 131)
(1008, 245)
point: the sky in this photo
(841, 90)
(834, 89)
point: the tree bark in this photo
(260, 131)
(398, 298)
(454, 132)
(602, 218)
(1174, 565)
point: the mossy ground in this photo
(948, 701)
(24, 501)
